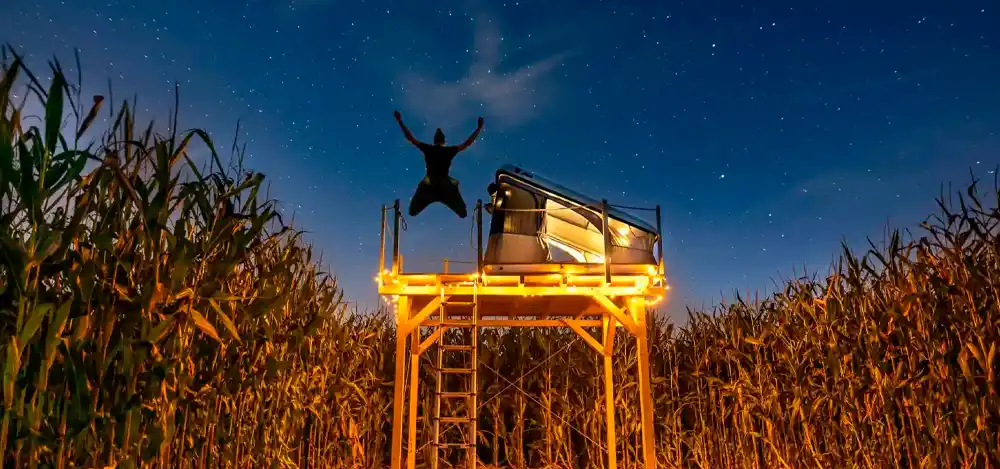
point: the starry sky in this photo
(768, 131)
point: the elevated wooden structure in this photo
(602, 295)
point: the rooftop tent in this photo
(532, 214)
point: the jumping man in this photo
(438, 185)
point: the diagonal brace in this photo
(609, 336)
(431, 340)
(617, 312)
(424, 313)
(589, 339)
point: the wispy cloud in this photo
(507, 99)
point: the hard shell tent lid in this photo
(532, 181)
(536, 213)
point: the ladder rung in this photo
(456, 371)
(456, 348)
(455, 395)
(459, 303)
(455, 419)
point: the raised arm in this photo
(406, 132)
(472, 138)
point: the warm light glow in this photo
(574, 253)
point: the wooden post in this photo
(479, 236)
(446, 265)
(638, 310)
(402, 316)
(395, 238)
(608, 326)
(411, 450)
(659, 241)
(381, 244)
(607, 242)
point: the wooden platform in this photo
(538, 291)
(540, 295)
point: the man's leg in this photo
(423, 197)
(452, 197)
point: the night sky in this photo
(768, 132)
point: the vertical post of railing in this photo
(607, 241)
(659, 240)
(381, 244)
(446, 265)
(395, 237)
(479, 237)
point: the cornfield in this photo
(154, 313)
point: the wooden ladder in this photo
(468, 383)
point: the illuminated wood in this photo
(619, 313)
(589, 339)
(608, 331)
(424, 313)
(431, 340)
(608, 325)
(572, 268)
(467, 290)
(411, 456)
(573, 296)
(645, 393)
(523, 323)
(397, 392)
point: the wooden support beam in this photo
(609, 390)
(479, 236)
(606, 231)
(638, 309)
(524, 323)
(426, 312)
(618, 313)
(589, 339)
(395, 238)
(401, 288)
(411, 448)
(381, 244)
(396, 453)
(431, 340)
(659, 243)
(609, 324)
(534, 323)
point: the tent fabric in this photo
(529, 218)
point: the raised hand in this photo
(472, 138)
(399, 117)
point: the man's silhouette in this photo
(438, 185)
